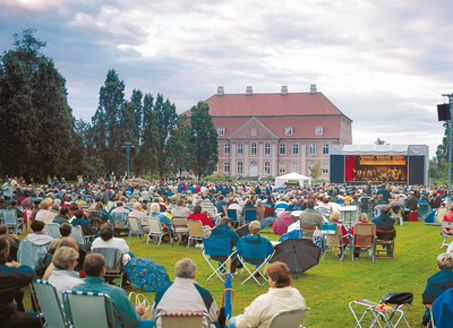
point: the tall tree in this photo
(178, 143)
(146, 153)
(106, 131)
(202, 146)
(315, 169)
(444, 148)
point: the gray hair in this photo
(185, 268)
(64, 257)
(445, 261)
(254, 227)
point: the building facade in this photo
(276, 133)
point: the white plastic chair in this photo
(155, 231)
(289, 319)
(53, 230)
(135, 228)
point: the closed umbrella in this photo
(300, 254)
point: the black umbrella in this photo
(299, 254)
(243, 230)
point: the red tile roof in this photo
(271, 104)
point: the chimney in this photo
(248, 91)
(313, 89)
(284, 90)
(220, 91)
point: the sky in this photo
(385, 64)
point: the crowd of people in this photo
(89, 204)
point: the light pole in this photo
(450, 96)
(128, 146)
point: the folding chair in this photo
(444, 229)
(431, 322)
(183, 319)
(196, 231)
(87, 309)
(423, 211)
(377, 210)
(385, 245)
(442, 309)
(113, 262)
(77, 234)
(233, 215)
(217, 250)
(390, 315)
(29, 253)
(50, 306)
(10, 219)
(135, 228)
(255, 254)
(53, 230)
(180, 224)
(289, 319)
(364, 237)
(364, 204)
(335, 240)
(307, 231)
(119, 222)
(250, 215)
(156, 232)
(440, 213)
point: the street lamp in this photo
(128, 146)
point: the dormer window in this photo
(221, 131)
(319, 131)
(289, 131)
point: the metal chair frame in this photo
(364, 237)
(50, 306)
(155, 231)
(135, 228)
(113, 262)
(445, 235)
(196, 231)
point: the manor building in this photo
(270, 134)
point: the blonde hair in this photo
(335, 216)
(445, 261)
(64, 257)
(362, 217)
(254, 227)
(43, 205)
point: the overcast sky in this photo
(383, 63)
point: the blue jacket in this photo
(384, 222)
(222, 230)
(256, 239)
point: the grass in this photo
(329, 287)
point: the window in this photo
(295, 167)
(239, 167)
(281, 168)
(319, 131)
(289, 131)
(295, 149)
(240, 148)
(267, 149)
(325, 168)
(253, 132)
(325, 149)
(226, 168)
(282, 149)
(312, 149)
(267, 167)
(253, 149)
(221, 131)
(226, 149)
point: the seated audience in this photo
(180, 209)
(202, 217)
(254, 237)
(185, 295)
(62, 216)
(362, 218)
(335, 217)
(224, 230)
(13, 242)
(80, 220)
(280, 297)
(310, 218)
(106, 239)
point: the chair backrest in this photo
(364, 235)
(134, 224)
(50, 304)
(53, 230)
(9, 217)
(196, 228)
(423, 209)
(154, 225)
(232, 214)
(77, 234)
(217, 246)
(113, 258)
(289, 319)
(179, 224)
(440, 214)
(118, 219)
(29, 253)
(250, 214)
(183, 319)
(253, 252)
(86, 309)
(324, 211)
(336, 239)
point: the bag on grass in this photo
(147, 274)
(136, 299)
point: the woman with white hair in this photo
(155, 213)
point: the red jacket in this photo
(203, 218)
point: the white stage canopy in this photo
(395, 150)
(280, 181)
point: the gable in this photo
(245, 131)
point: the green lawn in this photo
(330, 286)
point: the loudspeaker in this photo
(443, 112)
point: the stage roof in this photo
(395, 150)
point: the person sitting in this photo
(310, 218)
(438, 283)
(380, 200)
(385, 227)
(156, 213)
(34, 246)
(80, 220)
(255, 238)
(62, 216)
(63, 242)
(280, 297)
(106, 239)
(249, 206)
(362, 218)
(63, 276)
(335, 217)
(13, 242)
(224, 230)
(43, 210)
(96, 217)
(448, 217)
(202, 217)
(125, 314)
(185, 295)
(180, 209)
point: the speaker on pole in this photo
(443, 112)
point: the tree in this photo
(203, 153)
(315, 169)
(379, 142)
(36, 122)
(147, 154)
(444, 148)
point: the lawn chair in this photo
(113, 262)
(180, 227)
(440, 213)
(255, 254)
(9, 217)
(307, 231)
(250, 215)
(218, 250)
(53, 230)
(135, 228)
(382, 314)
(119, 222)
(289, 319)
(446, 230)
(364, 204)
(77, 234)
(29, 253)
(156, 232)
(86, 309)
(335, 240)
(183, 319)
(233, 215)
(442, 309)
(50, 306)
(386, 244)
(423, 211)
(196, 231)
(364, 237)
